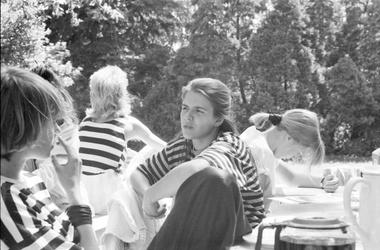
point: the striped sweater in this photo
(29, 218)
(226, 152)
(102, 145)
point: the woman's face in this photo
(197, 116)
(288, 147)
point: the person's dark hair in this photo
(53, 78)
(28, 102)
(218, 94)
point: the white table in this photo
(298, 202)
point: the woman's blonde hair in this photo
(108, 93)
(301, 124)
(28, 102)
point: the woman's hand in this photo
(152, 208)
(69, 172)
(330, 182)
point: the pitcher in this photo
(368, 226)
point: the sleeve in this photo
(155, 167)
(21, 228)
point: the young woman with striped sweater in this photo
(208, 170)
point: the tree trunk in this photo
(238, 56)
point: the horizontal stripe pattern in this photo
(227, 152)
(158, 165)
(102, 145)
(27, 222)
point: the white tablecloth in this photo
(299, 202)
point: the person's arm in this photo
(169, 184)
(327, 181)
(88, 238)
(149, 172)
(139, 182)
(139, 131)
(69, 176)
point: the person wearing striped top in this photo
(44, 225)
(104, 134)
(30, 109)
(210, 172)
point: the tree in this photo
(121, 33)
(24, 42)
(279, 62)
(353, 110)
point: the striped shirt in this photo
(29, 218)
(226, 152)
(102, 145)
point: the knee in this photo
(218, 178)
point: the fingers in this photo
(331, 185)
(161, 213)
(155, 211)
(55, 162)
(68, 149)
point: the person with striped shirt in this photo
(104, 134)
(210, 172)
(30, 109)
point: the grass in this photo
(347, 162)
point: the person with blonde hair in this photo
(104, 134)
(294, 133)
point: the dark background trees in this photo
(274, 55)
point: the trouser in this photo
(207, 214)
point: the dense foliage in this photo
(322, 55)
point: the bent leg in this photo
(207, 214)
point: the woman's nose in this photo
(189, 116)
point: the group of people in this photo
(56, 174)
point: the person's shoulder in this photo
(228, 140)
(229, 137)
(178, 142)
(250, 133)
(27, 180)
(86, 121)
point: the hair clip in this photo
(275, 119)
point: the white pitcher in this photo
(368, 226)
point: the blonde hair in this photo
(108, 93)
(28, 102)
(301, 124)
